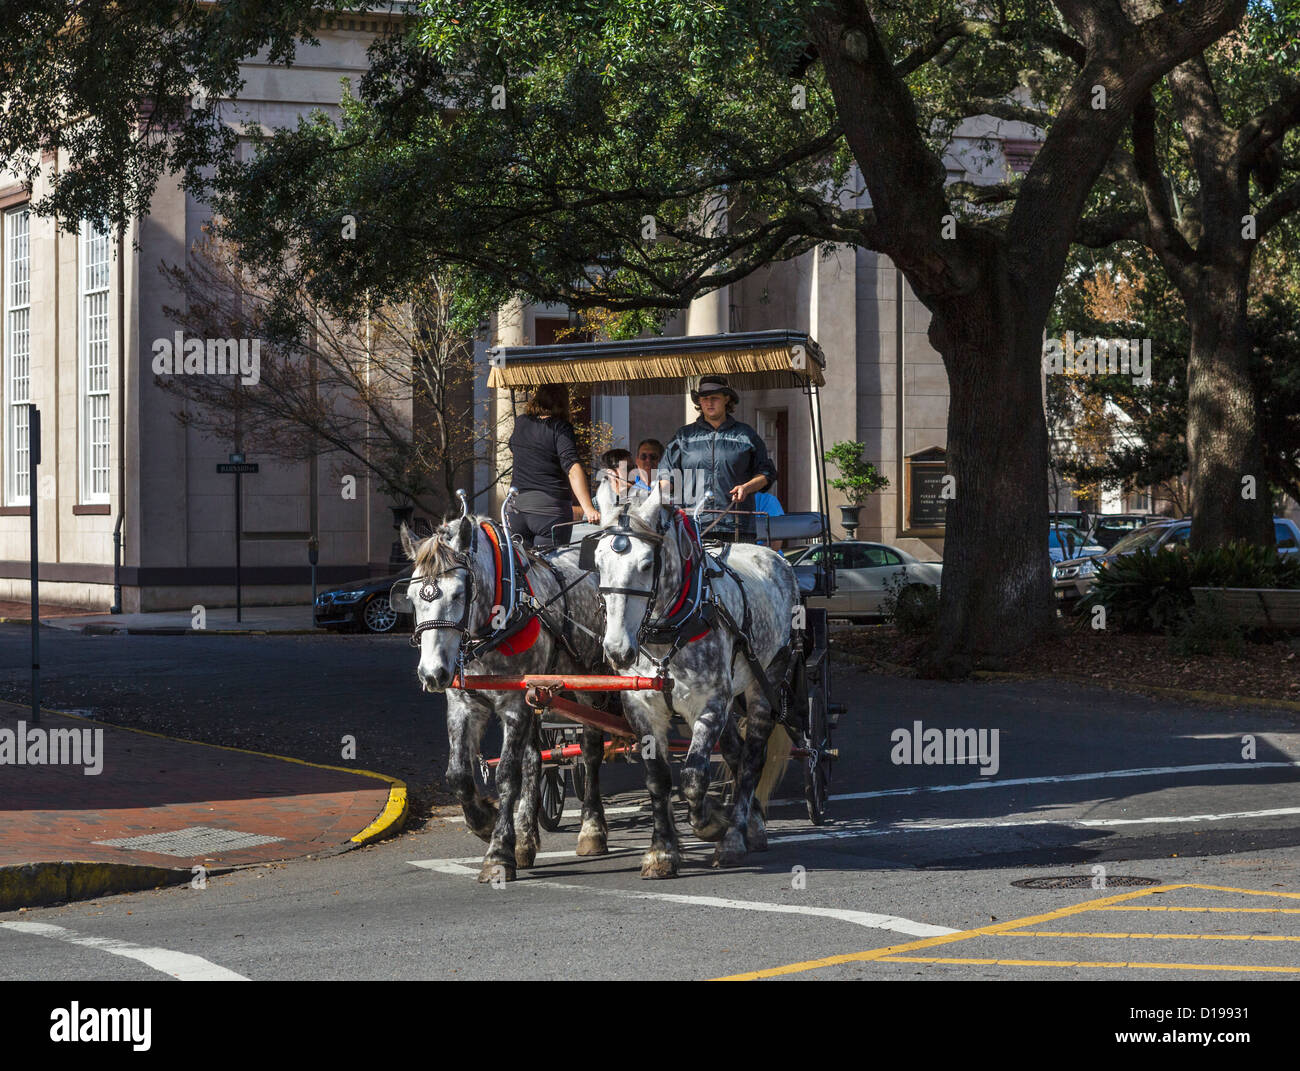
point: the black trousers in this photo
(543, 529)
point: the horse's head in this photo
(631, 558)
(444, 596)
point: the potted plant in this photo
(859, 479)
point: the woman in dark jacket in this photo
(547, 471)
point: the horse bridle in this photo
(430, 592)
(622, 536)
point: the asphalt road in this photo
(917, 856)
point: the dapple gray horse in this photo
(452, 594)
(646, 553)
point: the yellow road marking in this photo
(1104, 903)
(1249, 910)
(1097, 963)
(930, 942)
(1158, 936)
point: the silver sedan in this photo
(862, 573)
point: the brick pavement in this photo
(57, 813)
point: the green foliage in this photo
(911, 608)
(116, 87)
(860, 479)
(1204, 630)
(1152, 592)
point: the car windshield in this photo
(1062, 535)
(1142, 539)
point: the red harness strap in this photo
(688, 565)
(527, 635)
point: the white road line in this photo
(869, 919)
(1052, 779)
(181, 965)
(865, 827)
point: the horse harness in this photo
(524, 612)
(696, 605)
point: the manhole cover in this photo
(1085, 881)
(196, 840)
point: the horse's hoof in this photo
(525, 854)
(731, 852)
(659, 864)
(756, 834)
(714, 827)
(592, 840)
(496, 873)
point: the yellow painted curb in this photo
(390, 819)
(40, 884)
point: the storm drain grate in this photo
(194, 840)
(1085, 881)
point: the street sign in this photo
(239, 467)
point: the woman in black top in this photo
(547, 471)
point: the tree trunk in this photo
(996, 592)
(1229, 491)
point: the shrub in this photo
(1204, 630)
(1152, 592)
(859, 478)
(911, 608)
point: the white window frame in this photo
(94, 363)
(17, 287)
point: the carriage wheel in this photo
(817, 773)
(552, 808)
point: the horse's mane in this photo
(435, 554)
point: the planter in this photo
(1277, 608)
(849, 519)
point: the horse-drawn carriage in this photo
(693, 629)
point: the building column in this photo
(509, 332)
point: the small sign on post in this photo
(33, 460)
(238, 466)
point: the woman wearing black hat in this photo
(721, 455)
(547, 471)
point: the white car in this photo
(862, 573)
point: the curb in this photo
(1131, 689)
(104, 628)
(1139, 689)
(42, 883)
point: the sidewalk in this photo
(256, 619)
(159, 807)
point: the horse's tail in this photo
(778, 753)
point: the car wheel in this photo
(379, 615)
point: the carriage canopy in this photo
(753, 360)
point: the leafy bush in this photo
(859, 478)
(910, 607)
(1152, 592)
(1205, 630)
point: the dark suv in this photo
(1074, 579)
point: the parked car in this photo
(1073, 579)
(862, 571)
(1107, 529)
(1066, 541)
(363, 605)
